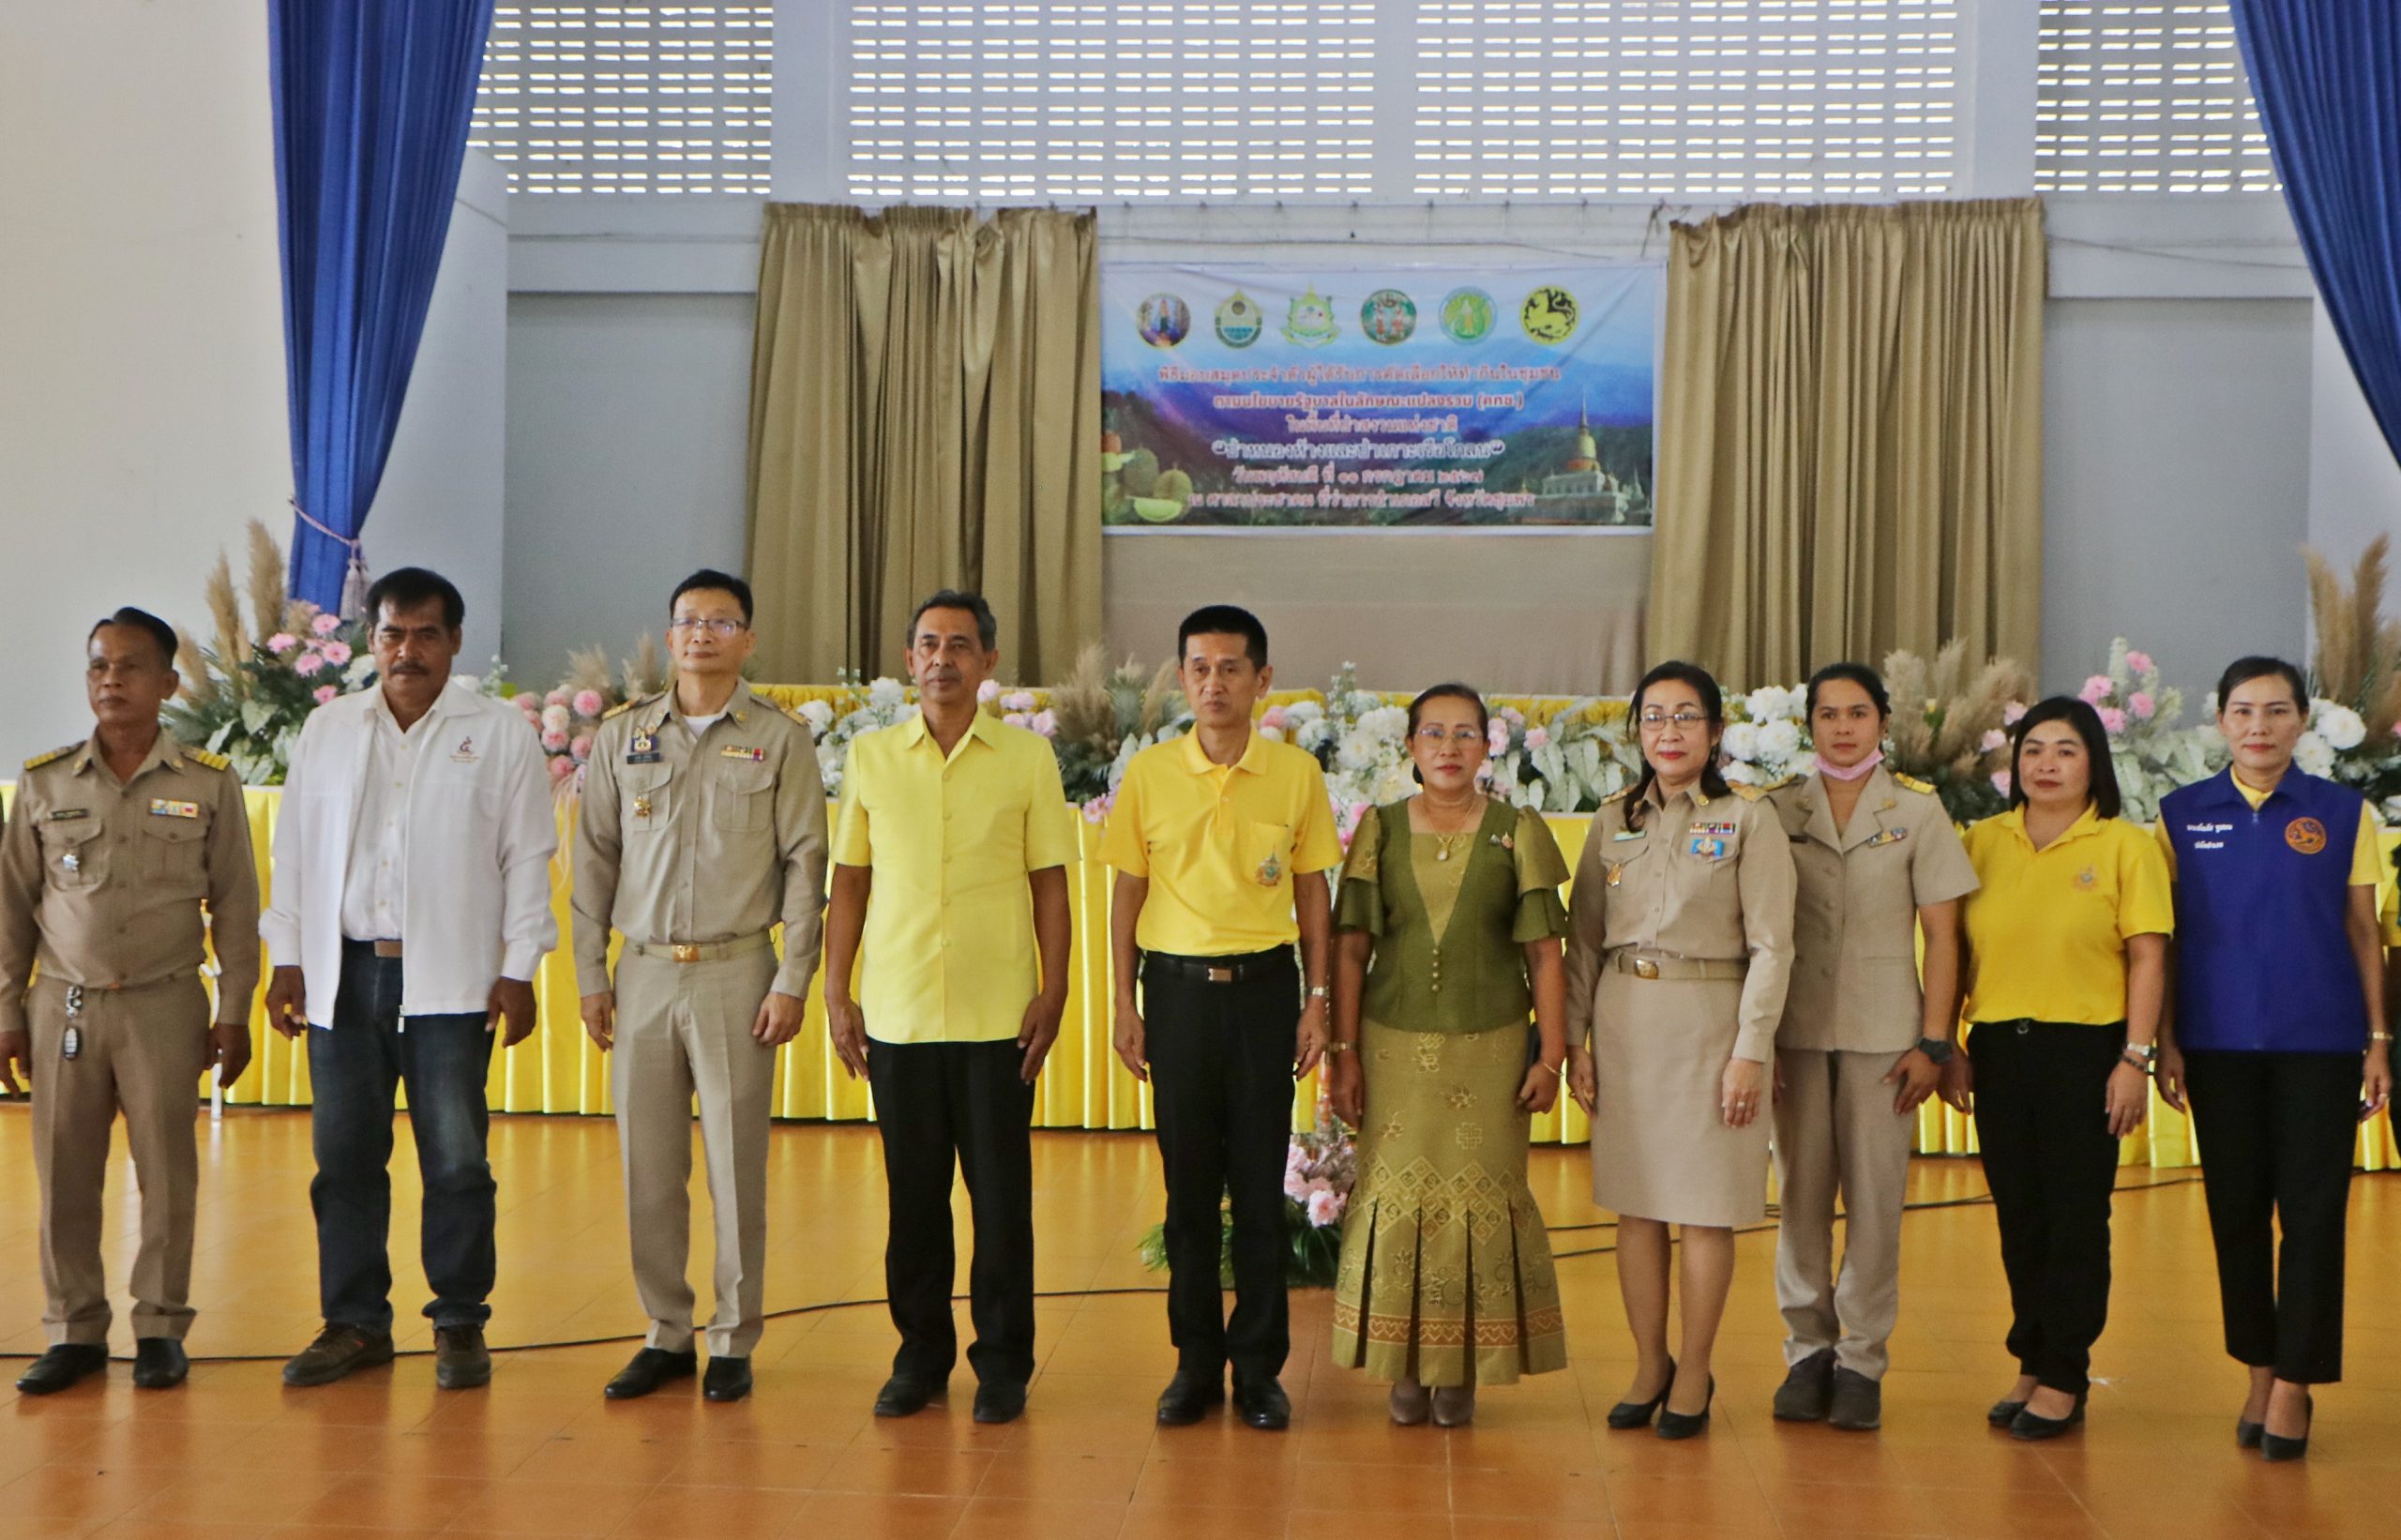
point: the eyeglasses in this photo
(1430, 734)
(689, 624)
(1686, 720)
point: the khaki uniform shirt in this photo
(1704, 877)
(102, 881)
(1854, 925)
(694, 841)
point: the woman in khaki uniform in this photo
(1679, 950)
(1862, 1046)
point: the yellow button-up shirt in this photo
(949, 948)
(1220, 843)
(2048, 930)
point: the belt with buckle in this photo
(1232, 970)
(1625, 961)
(704, 951)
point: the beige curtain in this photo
(925, 412)
(1851, 436)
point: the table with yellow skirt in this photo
(1083, 1086)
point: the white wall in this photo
(141, 406)
(2354, 479)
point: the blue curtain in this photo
(371, 100)
(2328, 76)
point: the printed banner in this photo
(1265, 395)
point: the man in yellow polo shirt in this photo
(1222, 841)
(950, 853)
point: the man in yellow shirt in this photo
(950, 855)
(1222, 841)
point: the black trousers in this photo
(2276, 1132)
(1221, 1086)
(2043, 1126)
(937, 1104)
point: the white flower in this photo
(1772, 702)
(2340, 726)
(2314, 754)
(820, 714)
(1303, 711)
(1389, 722)
(1780, 738)
(1314, 733)
(1741, 740)
(886, 694)
(1738, 772)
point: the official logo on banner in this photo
(1239, 320)
(1467, 315)
(1388, 316)
(1549, 314)
(1164, 319)
(1309, 320)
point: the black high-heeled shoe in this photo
(2247, 1433)
(2029, 1427)
(2273, 1447)
(1632, 1414)
(1678, 1424)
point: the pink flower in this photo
(1537, 737)
(1325, 1209)
(553, 740)
(2096, 689)
(1274, 719)
(588, 703)
(1017, 699)
(580, 746)
(1096, 810)
(528, 704)
(307, 663)
(556, 697)
(2113, 719)
(987, 691)
(562, 767)
(1015, 719)
(336, 652)
(326, 624)
(556, 717)
(2012, 712)
(282, 642)
(325, 694)
(2142, 703)
(2140, 662)
(1045, 722)
(2001, 781)
(1497, 738)
(1993, 738)
(1296, 1186)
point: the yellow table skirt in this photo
(559, 1070)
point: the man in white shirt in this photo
(411, 903)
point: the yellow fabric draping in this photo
(925, 412)
(559, 1070)
(1851, 446)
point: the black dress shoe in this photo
(1808, 1389)
(2247, 1433)
(649, 1369)
(904, 1395)
(2002, 1414)
(1633, 1414)
(2030, 1429)
(159, 1363)
(1262, 1403)
(2276, 1447)
(999, 1401)
(727, 1379)
(1190, 1396)
(62, 1365)
(1858, 1405)
(1679, 1424)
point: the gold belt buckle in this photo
(1221, 976)
(1645, 968)
(687, 952)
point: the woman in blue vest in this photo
(2276, 1024)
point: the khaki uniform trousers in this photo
(684, 1030)
(1836, 1133)
(140, 1052)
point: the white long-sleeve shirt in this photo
(475, 837)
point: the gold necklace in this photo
(1448, 843)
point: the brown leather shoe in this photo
(337, 1351)
(461, 1360)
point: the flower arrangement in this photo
(247, 689)
(566, 715)
(1767, 736)
(1320, 1168)
(2151, 756)
(1949, 726)
(1363, 745)
(2355, 678)
(1094, 718)
(1568, 764)
(883, 703)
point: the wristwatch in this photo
(1937, 1049)
(1321, 991)
(2145, 1057)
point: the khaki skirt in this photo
(1661, 1150)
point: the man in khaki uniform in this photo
(703, 824)
(1860, 1049)
(115, 845)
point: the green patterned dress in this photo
(1447, 1269)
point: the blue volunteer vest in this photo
(2263, 962)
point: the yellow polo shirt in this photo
(948, 952)
(2367, 847)
(1220, 843)
(2047, 933)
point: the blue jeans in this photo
(354, 1068)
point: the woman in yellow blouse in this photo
(2067, 962)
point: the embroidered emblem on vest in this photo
(2306, 834)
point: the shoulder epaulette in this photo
(1913, 783)
(1617, 795)
(40, 760)
(1771, 786)
(619, 709)
(1752, 793)
(793, 711)
(214, 761)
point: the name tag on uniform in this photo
(1887, 837)
(1630, 834)
(60, 815)
(737, 751)
(161, 808)
(1708, 847)
(644, 750)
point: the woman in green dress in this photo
(1449, 922)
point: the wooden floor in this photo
(234, 1453)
